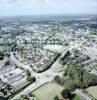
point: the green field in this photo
(48, 91)
(92, 91)
(2, 48)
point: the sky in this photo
(47, 7)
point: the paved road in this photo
(79, 92)
(41, 78)
(30, 88)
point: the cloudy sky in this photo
(46, 7)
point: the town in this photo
(48, 59)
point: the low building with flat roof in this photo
(14, 78)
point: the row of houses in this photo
(37, 41)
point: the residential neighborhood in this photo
(55, 58)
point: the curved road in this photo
(41, 78)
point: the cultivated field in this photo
(48, 91)
(92, 91)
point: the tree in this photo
(8, 87)
(2, 98)
(1, 55)
(89, 79)
(31, 79)
(31, 95)
(70, 85)
(28, 73)
(66, 93)
(57, 79)
(24, 97)
(7, 54)
(56, 98)
(65, 55)
(78, 78)
(7, 63)
(66, 44)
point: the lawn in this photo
(92, 91)
(48, 91)
(76, 98)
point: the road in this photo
(79, 92)
(41, 78)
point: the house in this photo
(14, 78)
(1, 83)
(1, 96)
(5, 69)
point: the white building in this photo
(14, 78)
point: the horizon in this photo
(47, 7)
(50, 15)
